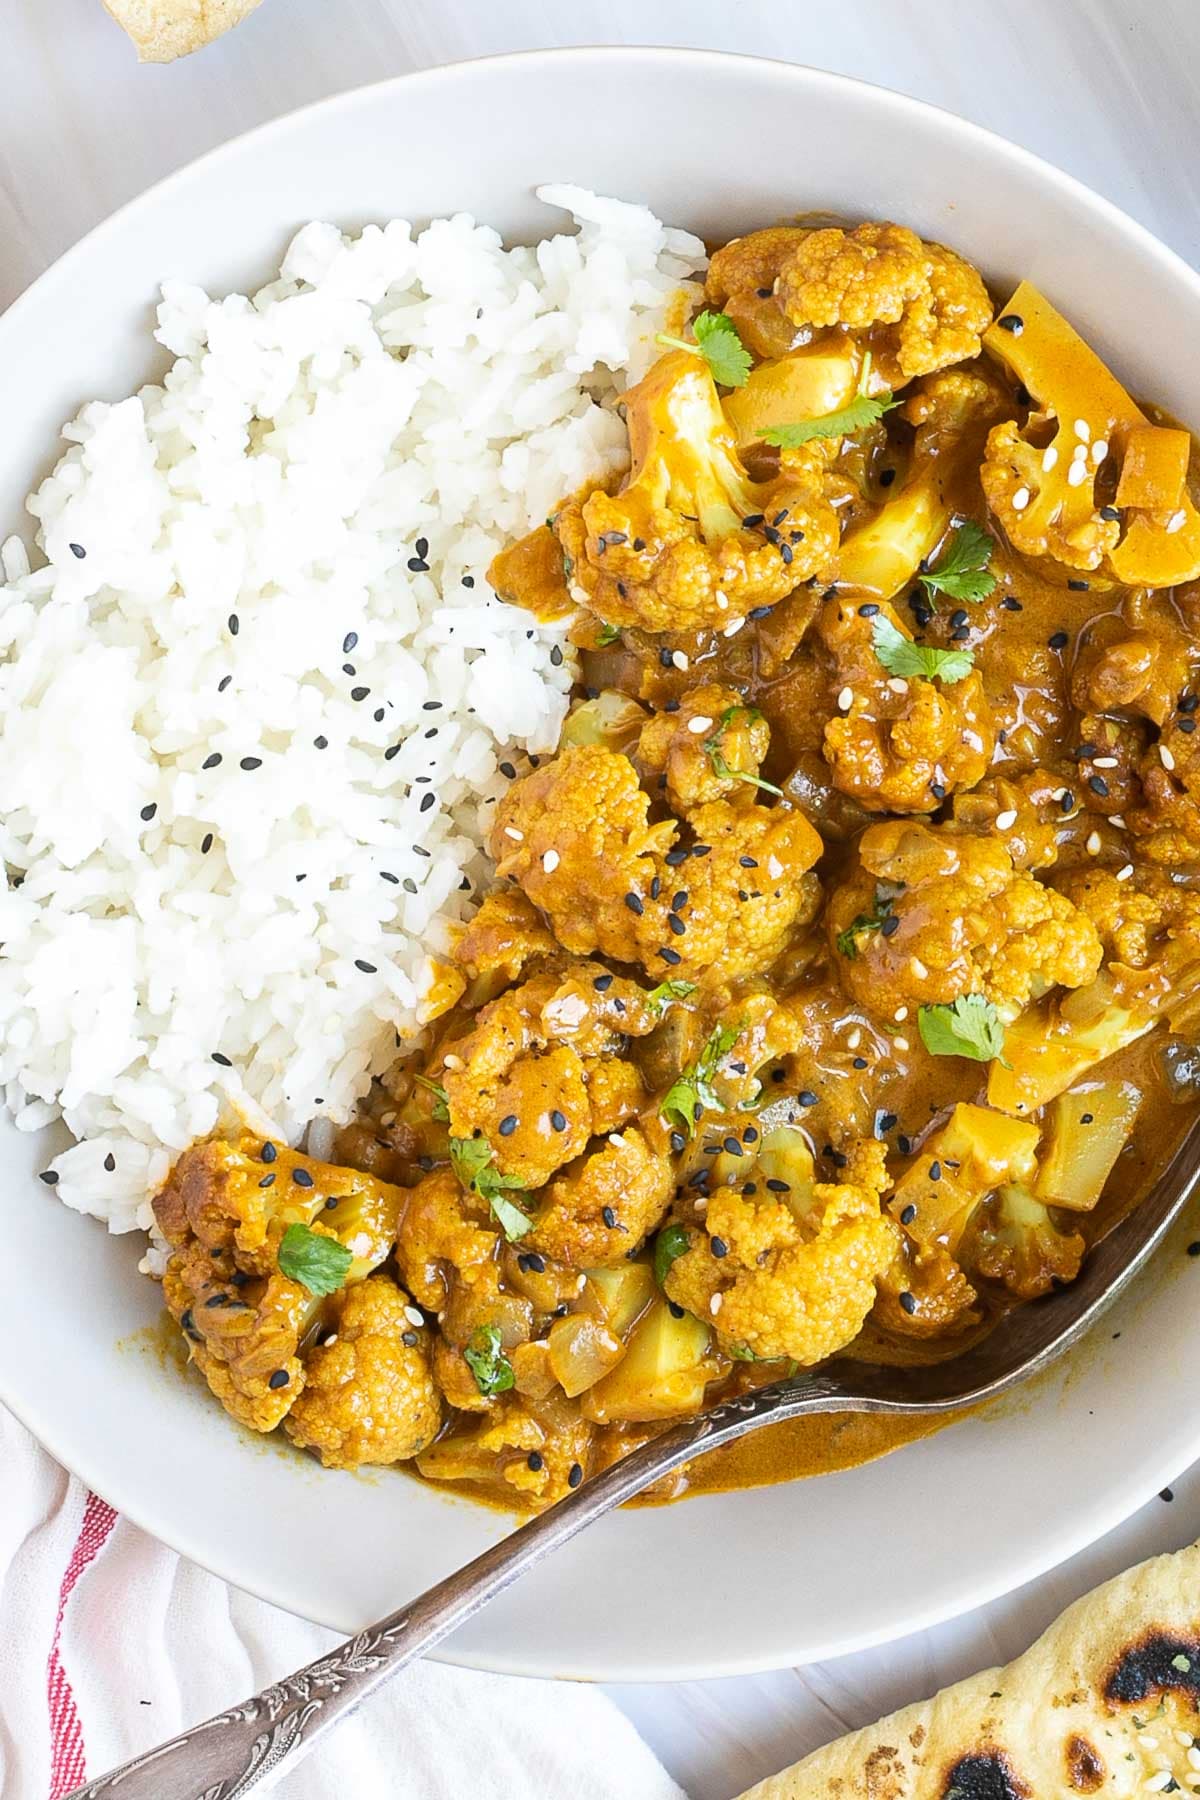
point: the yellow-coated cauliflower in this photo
(369, 1396)
(1046, 509)
(604, 1205)
(789, 1275)
(224, 1211)
(711, 748)
(539, 1448)
(1139, 918)
(538, 1074)
(576, 837)
(1167, 823)
(923, 306)
(898, 744)
(932, 915)
(504, 935)
(445, 1236)
(690, 541)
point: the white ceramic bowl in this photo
(723, 1584)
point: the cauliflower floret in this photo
(575, 836)
(789, 1275)
(522, 1077)
(923, 306)
(224, 1211)
(369, 1396)
(1137, 663)
(1168, 820)
(1014, 1240)
(505, 935)
(604, 1205)
(690, 541)
(741, 282)
(710, 749)
(1024, 812)
(898, 744)
(1137, 919)
(538, 1448)
(932, 915)
(1082, 481)
(444, 1236)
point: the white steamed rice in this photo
(320, 481)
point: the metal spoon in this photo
(226, 1756)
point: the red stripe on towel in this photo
(67, 1767)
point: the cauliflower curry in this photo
(841, 978)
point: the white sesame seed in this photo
(1176, 520)
(854, 1040)
(1186, 1739)
(1021, 499)
(699, 725)
(898, 684)
(550, 861)
(774, 868)
(451, 1061)
(1165, 757)
(1193, 1753)
(1193, 1782)
(1076, 473)
(722, 602)
(1147, 1742)
(1099, 451)
(518, 837)
(329, 1341)
(1117, 820)
(1049, 459)
(617, 1141)
(413, 1316)
(1158, 1782)
(845, 699)
(1079, 453)
(901, 1043)
(1125, 872)
(679, 659)
(701, 1203)
(714, 1305)
(1104, 762)
(900, 1014)
(1093, 844)
(1006, 820)
(1083, 430)
(733, 627)
(918, 967)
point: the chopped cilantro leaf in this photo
(718, 759)
(317, 1262)
(441, 1106)
(608, 634)
(900, 656)
(962, 572)
(659, 998)
(847, 941)
(862, 411)
(487, 1362)
(969, 1026)
(694, 1093)
(717, 341)
(670, 1243)
(471, 1160)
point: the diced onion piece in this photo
(581, 1352)
(1154, 468)
(662, 1375)
(1087, 1128)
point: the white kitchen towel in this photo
(110, 1642)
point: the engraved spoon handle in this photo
(226, 1756)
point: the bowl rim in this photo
(1148, 1474)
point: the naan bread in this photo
(1107, 1702)
(165, 29)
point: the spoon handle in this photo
(225, 1757)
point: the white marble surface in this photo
(1109, 89)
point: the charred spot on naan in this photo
(1086, 1770)
(986, 1774)
(1162, 1662)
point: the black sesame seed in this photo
(535, 1461)
(806, 1097)
(77, 550)
(302, 1178)
(937, 789)
(860, 1062)
(908, 1302)
(223, 1060)
(1067, 803)
(558, 1120)
(532, 1263)
(148, 812)
(216, 1300)
(427, 800)
(365, 968)
(634, 903)
(718, 1246)
(903, 1144)
(250, 763)
(224, 683)
(1186, 725)
(348, 669)
(670, 956)
(110, 1162)
(759, 612)
(1189, 702)
(234, 625)
(776, 1186)
(211, 762)
(868, 611)
(678, 1142)
(409, 885)
(1086, 1118)
(422, 546)
(836, 1157)
(1012, 322)
(1109, 514)
(1098, 785)
(1078, 587)
(418, 565)
(268, 1180)
(676, 924)
(1193, 1249)
(655, 888)
(886, 1121)
(672, 706)
(1011, 605)
(556, 655)
(602, 983)
(673, 858)
(909, 1214)
(1168, 1494)
(392, 750)
(1059, 641)
(886, 477)
(701, 849)
(279, 1378)
(359, 693)
(348, 642)
(508, 1125)
(935, 1171)
(609, 1217)
(50, 1177)
(574, 1475)
(890, 925)
(268, 1153)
